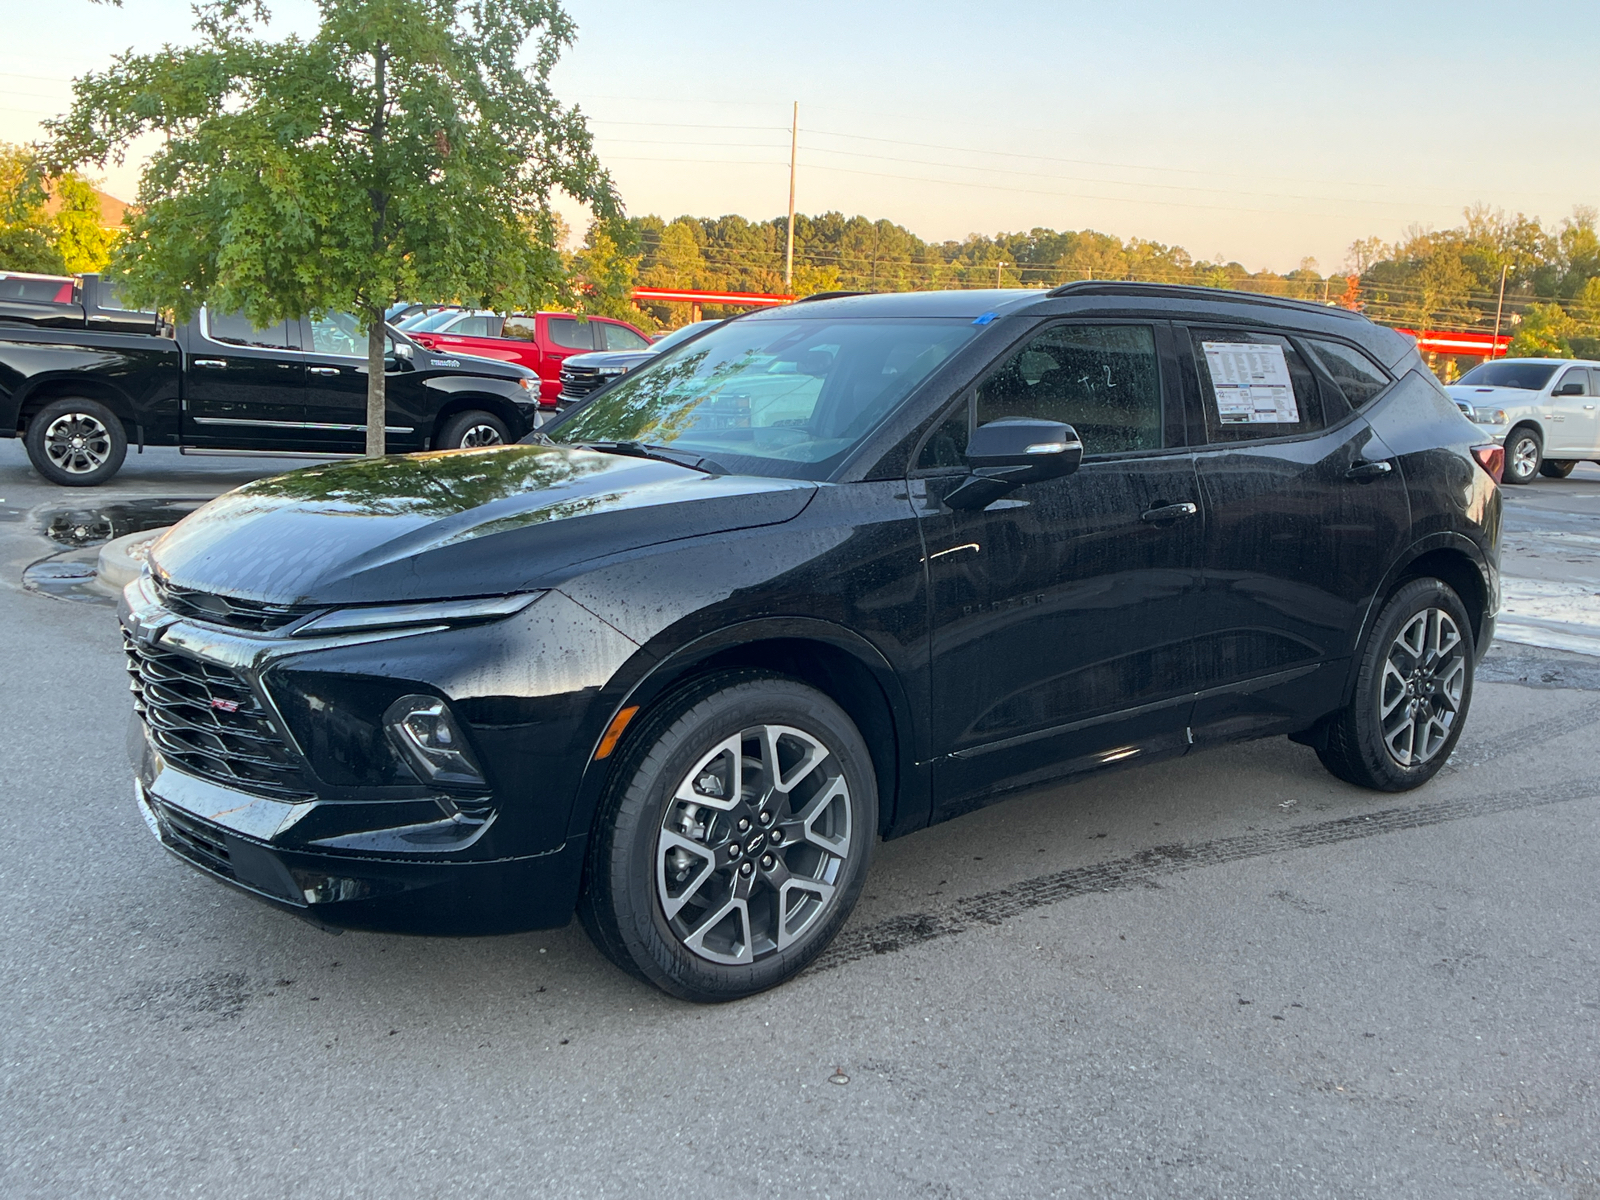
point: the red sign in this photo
(1479, 345)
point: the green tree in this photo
(82, 241)
(1544, 333)
(27, 235)
(402, 152)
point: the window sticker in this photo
(1251, 383)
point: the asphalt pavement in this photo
(1228, 975)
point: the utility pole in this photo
(788, 254)
(1498, 308)
(997, 268)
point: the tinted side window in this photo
(620, 337)
(338, 333)
(947, 444)
(1103, 380)
(1358, 377)
(564, 331)
(470, 327)
(1576, 375)
(1254, 385)
(238, 330)
(521, 328)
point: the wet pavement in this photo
(1228, 975)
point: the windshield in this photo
(1528, 377)
(428, 322)
(668, 341)
(785, 397)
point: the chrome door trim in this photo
(299, 425)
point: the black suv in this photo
(825, 574)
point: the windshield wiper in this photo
(679, 458)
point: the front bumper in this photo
(229, 835)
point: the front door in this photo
(244, 385)
(1306, 512)
(1061, 613)
(336, 391)
(1572, 424)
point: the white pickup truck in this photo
(1543, 410)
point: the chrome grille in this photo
(577, 382)
(233, 611)
(207, 721)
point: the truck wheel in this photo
(76, 442)
(1557, 468)
(1524, 455)
(734, 837)
(1413, 687)
(466, 430)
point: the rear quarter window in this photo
(1356, 375)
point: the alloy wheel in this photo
(77, 443)
(1524, 457)
(1423, 681)
(753, 844)
(481, 435)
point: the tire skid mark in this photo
(1144, 868)
(1541, 731)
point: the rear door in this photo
(1306, 512)
(244, 385)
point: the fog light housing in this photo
(425, 732)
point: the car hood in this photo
(452, 524)
(1493, 397)
(601, 360)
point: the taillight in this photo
(1492, 459)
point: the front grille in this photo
(232, 611)
(195, 840)
(207, 721)
(577, 382)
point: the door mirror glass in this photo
(1012, 451)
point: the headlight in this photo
(1489, 416)
(425, 732)
(528, 385)
(442, 613)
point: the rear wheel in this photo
(467, 430)
(76, 442)
(1524, 455)
(734, 839)
(1413, 688)
(1557, 468)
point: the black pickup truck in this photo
(83, 378)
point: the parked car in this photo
(82, 379)
(48, 289)
(538, 341)
(1542, 410)
(584, 374)
(827, 573)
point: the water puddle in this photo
(70, 571)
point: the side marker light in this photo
(614, 731)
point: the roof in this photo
(1178, 291)
(968, 303)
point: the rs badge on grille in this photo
(227, 706)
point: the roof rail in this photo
(830, 296)
(1103, 287)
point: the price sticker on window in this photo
(1251, 383)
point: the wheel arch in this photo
(837, 662)
(42, 391)
(482, 401)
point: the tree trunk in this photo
(376, 404)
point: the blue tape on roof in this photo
(986, 318)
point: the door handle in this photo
(1369, 470)
(1170, 512)
(218, 363)
(1588, 408)
(324, 370)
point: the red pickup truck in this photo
(538, 341)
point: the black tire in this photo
(1366, 742)
(643, 823)
(76, 442)
(1557, 468)
(471, 429)
(1524, 455)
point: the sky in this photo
(1261, 133)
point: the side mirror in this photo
(1012, 451)
(1569, 389)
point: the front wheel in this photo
(469, 430)
(734, 839)
(76, 442)
(1557, 468)
(1524, 456)
(1413, 688)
